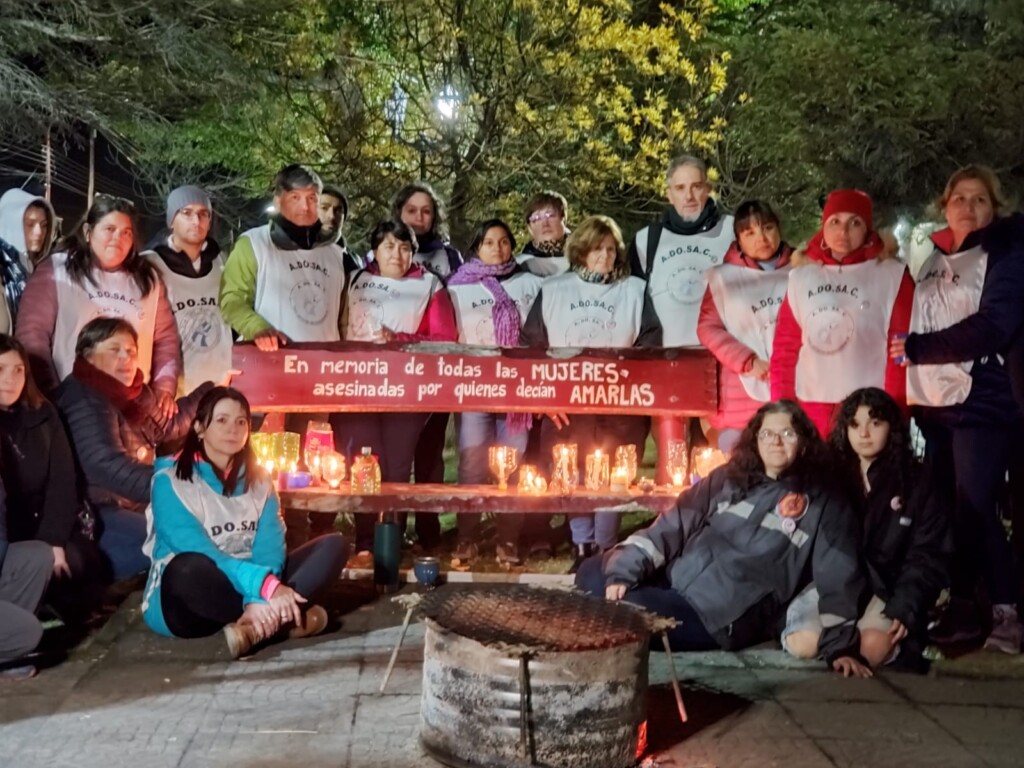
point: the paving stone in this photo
(821, 685)
(982, 726)
(860, 752)
(946, 690)
(869, 720)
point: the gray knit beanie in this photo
(185, 196)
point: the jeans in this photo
(477, 433)
(122, 534)
(590, 432)
(659, 598)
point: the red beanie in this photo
(848, 201)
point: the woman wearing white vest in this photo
(846, 297)
(418, 207)
(100, 272)
(492, 296)
(393, 299)
(968, 310)
(595, 304)
(216, 541)
(190, 264)
(738, 314)
(545, 215)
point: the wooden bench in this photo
(432, 377)
(473, 498)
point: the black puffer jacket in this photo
(907, 541)
(735, 556)
(114, 456)
(38, 471)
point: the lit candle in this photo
(620, 479)
(269, 464)
(540, 484)
(677, 479)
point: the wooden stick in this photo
(675, 680)
(394, 653)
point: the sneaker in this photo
(541, 550)
(583, 551)
(465, 551)
(959, 623)
(1006, 630)
(508, 554)
(17, 674)
(314, 621)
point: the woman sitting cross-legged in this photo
(739, 545)
(906, 542)
(216, 539)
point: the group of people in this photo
(129, 344)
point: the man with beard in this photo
(673, 256)
(333, 214)
(190, 264)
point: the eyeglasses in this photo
(533, 218)
(195, 213)
(770, 435)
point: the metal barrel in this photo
(583, 708)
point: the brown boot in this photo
(241, 637)
(314, 620)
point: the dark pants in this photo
(121, 535)
(590, 432)
(689, 635)
(23, 578)
(197, 599)
(973, 461)
(393, 438)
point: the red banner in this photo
(355, 376)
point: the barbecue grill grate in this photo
(538, 619)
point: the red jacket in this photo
(735, 406)
(789, 334)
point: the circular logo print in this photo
(200, 328)
(366, 319)
(485, 330)
(829, 330)
(586, 332)
(308, 302)
(686, 285)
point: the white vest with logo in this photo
(677, 277)
(436, 261)
(581, 314)
(398, 304)
(112, 294)
(545, 266)
(298, 292)
(748, 302)
(205, 336)
(230, 522)
(948, 290)
(473, 305)
(843, 313)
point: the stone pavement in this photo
(129, 698)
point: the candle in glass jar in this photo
(677, 479)
(597, 470)
(620, 479)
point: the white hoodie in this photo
(13, 204)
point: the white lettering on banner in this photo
(357, 389)
(633, 394)
(607, 373)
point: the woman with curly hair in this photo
(906, 545)
(741, 543)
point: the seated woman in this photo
(906, 543)
(116, 423)
(737, 547)
(25, 569)
(36, 465)
(216, 539)
(393, 299)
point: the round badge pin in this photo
(788, 525)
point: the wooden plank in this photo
(354, 376)
(472, 498)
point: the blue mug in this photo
(427, 570)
